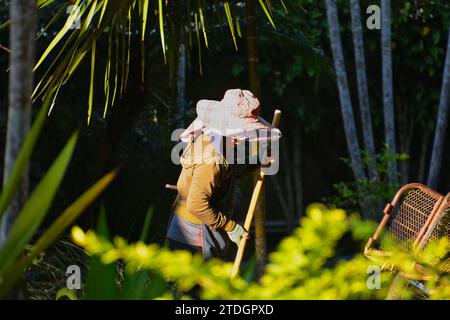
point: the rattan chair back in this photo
(407, 218)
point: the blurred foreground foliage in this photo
(428, 269)
(304, 266)
(21, 245)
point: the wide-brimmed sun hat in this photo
(236, 116)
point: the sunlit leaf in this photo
(91, 86)
(161, 27)
(88, 19)
(63, 221)
(202, 22)
(226, 6)
(266, 11)
(101, 278)
(69, 23)
(22, 159)
(34, 210)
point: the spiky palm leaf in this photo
(113, 19)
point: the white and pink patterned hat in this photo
(236, 116)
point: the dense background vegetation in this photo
(296, 76)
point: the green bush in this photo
(304, 266)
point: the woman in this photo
(202, 216)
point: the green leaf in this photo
(157, 287)
(91, 87)
(116, 69)
(144, 19)
(266, 11)
(147, 221)
(238, 28)
(202, 23)
(134, 286)
(122, 19)
(107, 75)
(5, 24)
(43, 3)
(34, 210)
(88, 20)
(50, 68)
(22, 159)
(102, 224)
(105, 4)
(161, 28)
(101, 278)
(53, 232)
(226, 6)
(70, 20)
(54, 18)
(284, 6)
(249, 270)
(197, 29)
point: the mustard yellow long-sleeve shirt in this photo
(205, 184)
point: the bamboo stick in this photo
(252, 206)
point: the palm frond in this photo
(70, 47)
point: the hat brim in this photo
(219, 117)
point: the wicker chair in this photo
(415, 216)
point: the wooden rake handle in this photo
(252, 207)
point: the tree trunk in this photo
(22, 33)
(441, 125)
(346, 103)
(344, 93)
(363, 92)
(181, 69)
(181, 84)
(388, 102)
(255, 87)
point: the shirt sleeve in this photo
(206, 177)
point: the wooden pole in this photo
(255, 87)
(252, 207)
